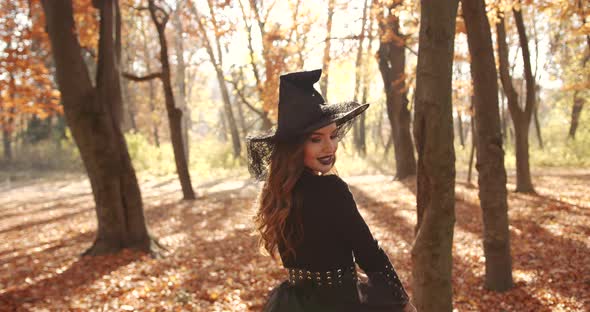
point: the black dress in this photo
(322, 275)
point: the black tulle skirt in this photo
(352, 297)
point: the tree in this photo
(570, 50)
(155, 121)
(359, 125)
(216, 58)
(578, 105)
(128, 52)
(180, 78)
(282, 49)
(392, 63)
(367, 78)
(26, 86)
(327, 57)
(273, 56)
(433, 133)
(578, 102)
(92, 113)
(264, 112)
(520, 118)
(160, 19)
(490, 154)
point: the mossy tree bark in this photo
(433, 134)
(93, 114)
(392, 63)
(521, 118)
(490, 154)
(160, 19)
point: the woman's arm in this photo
(370, 257)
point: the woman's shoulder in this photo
(329, 185)
(337, 193)
(328, 180)
(337, 181)
(331, 192)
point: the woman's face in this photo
(320, 149)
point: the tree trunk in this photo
(232, 125)
(301, 41)
(7, 122)
(392, 62)
(129, 122)
(490, 154)
(433, 131)
(91, 116)
(582, 15)
(266, 123)
(536, 116)
(6, 143)
(180, 81)
(576, 111)
(217, 62)
(327, 57)
(240, 99)
(520, 119)
(155, 122)
(537, 127)
(503, 117)
(578, 103)
(222, 125)
(460, 128)
(523, 175)
(526, 184)
(273, 56)
(378, 137)
(388, 145)
(174, 113)
(241, 118)
(362, 137)
(358, 134)
(472, 151)
(366, 84)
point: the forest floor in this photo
(213, 263)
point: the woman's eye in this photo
(315, 140)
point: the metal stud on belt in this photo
(324, 278)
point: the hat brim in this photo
(261, 147)
(338, 113)
(338, 118)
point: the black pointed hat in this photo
(302, 109)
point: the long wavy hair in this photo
(278, 218)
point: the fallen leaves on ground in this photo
(214, 264)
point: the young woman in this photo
(308, 214)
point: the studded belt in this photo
(329, 278)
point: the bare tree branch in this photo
(164, 15)
(242, 97)
(357, 37)
(251, 50)
(412, 51)
(268, 11)
(89, 50)
(137, 8)
(142, 78)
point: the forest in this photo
(124, 181)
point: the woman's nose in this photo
(330, 146)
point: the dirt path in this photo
(214, 263)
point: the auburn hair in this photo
(278, 218)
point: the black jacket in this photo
(335, 234)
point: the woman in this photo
(309, 215)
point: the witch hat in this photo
(302, 109)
